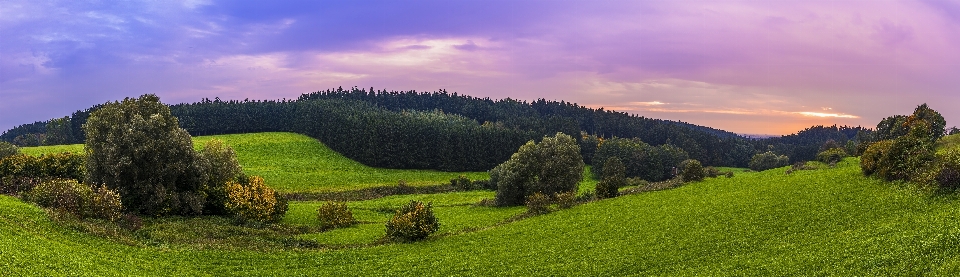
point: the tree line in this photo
(446, 131)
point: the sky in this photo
(751, 67)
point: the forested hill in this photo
(435, 130)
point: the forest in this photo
(444, 131)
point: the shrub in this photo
(566, 200)
(652, 163)
(903, 158)
(832, 155)
(138, 148)
(8, 149)
(49, 166)
(712, 172)
(10, 185)
(948, 170)
(105, 204)
(334, 215)
(412, 222)
(538, 203)
(768, 160)
(613, 178)
(65, 195)
(554, 165)
(252, 202)
(463, 183)
(872, 158)
(729, 174)
(220, 162)
(20, 165)
(692, 171)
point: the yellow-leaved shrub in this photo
(254, 201)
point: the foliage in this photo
(566, 200)
(67, 195)
(588, 146)
(137, 148)
(832, 155)
(874, 158)
(412, 222)
(614, 177)
(8, 149)
(768, 160)
(551, 166)
(334, 215)
(538, 203)
(947, 170)
(463, 183)
(651, 163)
(222, 166)
(907, 156)
(253, 201)
(55, 165)
(59, 131)
(692, 171)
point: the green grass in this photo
(296, 163)
(948, 142)
(811, 222)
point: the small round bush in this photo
(692, 171)
(538, 203)
(566, 200)
(833, 155)
(253, 202)
(768, 160)
(334, 215)
(105, 204)
(412, 222)
(62, 194)
(8, 149)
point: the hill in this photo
(831, 221)
(297, 163)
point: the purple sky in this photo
(759, 67)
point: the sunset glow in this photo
(759, 67)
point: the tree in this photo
(768, 160)
(552, 166)
(222, 167)
(137, 148)
(613, 178)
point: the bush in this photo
(10, 185)
(554, 165)
(538, 203)
(566, 200)
(948, 170)
(729, 174)
(712, 172)
(334, 215)
(253, 202)
(652, 163)
(220, 162)
(65, 195)
(872, 158)
(692, 171)
(105, 204)
(412, 222)
(49, 166)
(138, 148)
(903, 158)
(462, 183)
(7, 149)
(613, 178)
(768, 160)
(832, 155)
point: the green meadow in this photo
(297, 163)
(828, 221)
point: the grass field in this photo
(811, 222)
(297, 163)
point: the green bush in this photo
(538, 203)
(105, 204)
(908, 157)
(138, 148)
(65, 195)
(768, 160)
(873, 157)
(462, 183)
(254, 201)
(613, 178)
(334, 215)
(8, 149)
(412, 222)
(220, 162)
(566, 200)
(651, 163)
(947, 170)
(692, 171)
(832, 155)
(551, 166)
(712, 172)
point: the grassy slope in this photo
(824, 222)
(297, 163)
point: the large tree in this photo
(137, 148)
